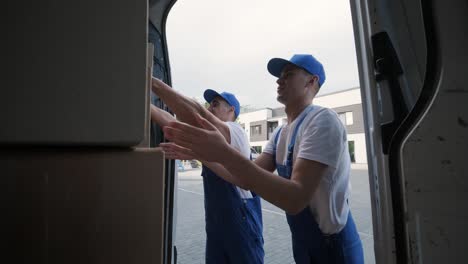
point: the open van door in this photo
(158, 12)
(413, 60)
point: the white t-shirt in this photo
(322, 138)
(240, 142)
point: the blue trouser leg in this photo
(233, 225)
(312, 246)
(301, 252)
(239, 239)
(251, 252)
(344, 247)
(246, 243)
(214, 253)
(350, 243)
(246, 250)
(241, 247)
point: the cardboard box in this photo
(84, 206)
(74, 75)
(145, 143)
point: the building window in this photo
(342, 117)
(255, 130)
(351, 151)
(257, 149)
(271, 127)
(346, 118)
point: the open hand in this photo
(206, 143)
(173, 151)
(157, 84)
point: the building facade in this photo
(260, 124)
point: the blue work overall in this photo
(233, 224)
(310, 245)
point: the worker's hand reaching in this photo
(205, 143)
(157, 83)
(173, 151)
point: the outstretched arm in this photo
(207, 144)
(185, 108)
(173, 151)
(161, 117)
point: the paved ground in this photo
(190, 233)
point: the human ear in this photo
(314, 79)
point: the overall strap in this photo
(293, 139)
(289, 158)
(276, 143)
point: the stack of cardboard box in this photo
(81, 183)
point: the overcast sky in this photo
(225, 45)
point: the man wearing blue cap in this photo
(310, 153)
(233, 215)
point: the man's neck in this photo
(294, 110)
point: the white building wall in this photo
(280, 119)
(258, 115)
(360, 152)
(349, 97)
(247, 118)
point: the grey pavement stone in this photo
(191, 237)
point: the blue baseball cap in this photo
(228, 97)
(304, 61)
